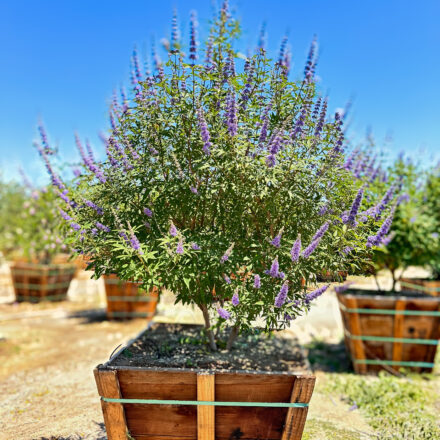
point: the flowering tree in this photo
(224, 184)
(409, 235)
(32, 233)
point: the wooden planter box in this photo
(126, 301)
(41, 282)
(181, 417)
(390, 332)
(431, 287)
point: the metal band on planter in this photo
(206, 403)
(130, 314)
(391, 312)
(131, 298)
(41, 298)
(421, 287)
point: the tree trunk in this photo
(232, 337)
(209, 332)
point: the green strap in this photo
(131, 298)
(391, 312)
(391, 339)
(207, 403)
(31, 286)
(130, 314)
(33, 298)
(395, 363)
(422, 287)
(41, 271)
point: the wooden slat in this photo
(398, 330)
(114, 417)
(205, 414)
(296, 417)
(355, 329)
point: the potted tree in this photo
(33, 244)
(391, 329)
(225, 185)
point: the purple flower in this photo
(274, 269)
(102, 227)
(347, 249)
(277, 240)
(257, 281)
(311, 62)
(148, 212)
(235, 299)
(223, 313)
(75, 226)
(343, 287)
(310, 248)
(296, 249)
(320, 124)
(264, 124)
(195, 246)
(65, 216)
(227, 279)
(227, 254)
(282, 295)
(376, 240)
(193, 36)
(175, 34)
(194, 190)
(316, 293)
(246, 93)
(231, 113)
(203, 127)
(134, 242)
(173, 230)
(321, 231)
(93, 206)
(384, 202)
(351, 219)
(179, 248)
(435, 235)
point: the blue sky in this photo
(61, 60)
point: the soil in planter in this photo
(185, 346)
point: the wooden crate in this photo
(431, 287)
(187, 420)
(126, 301)
(41, 282)
(390, 332)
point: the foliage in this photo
(398, 408)
(221, 184)
(29, 222)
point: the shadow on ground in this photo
(100, 435)
(90, 316)
(328, 357)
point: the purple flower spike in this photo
(257, 281)
(102, 227)
(321, 231)
(274, 268)
(194, 190)
(385, 201)
(134, 242)
(223, 313)
(179, 248)
(296, 249)
(193, 36)
(173, 230)
(316, 293)
(203, 127)
(65, 216)
(277, 240)
(351, 219)
(227, 254)
(148, 212)
(235, 300)
(75, 226)
(195, 246)
(377, 240)
(282, 295)
(227, 279)
(231, 113)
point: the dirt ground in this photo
(48, 352)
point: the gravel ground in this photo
(48, 352)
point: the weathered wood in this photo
(430, 287)
(398, 330)
(355, 329)
(205, 414)
(296, 417)
(114, 417)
